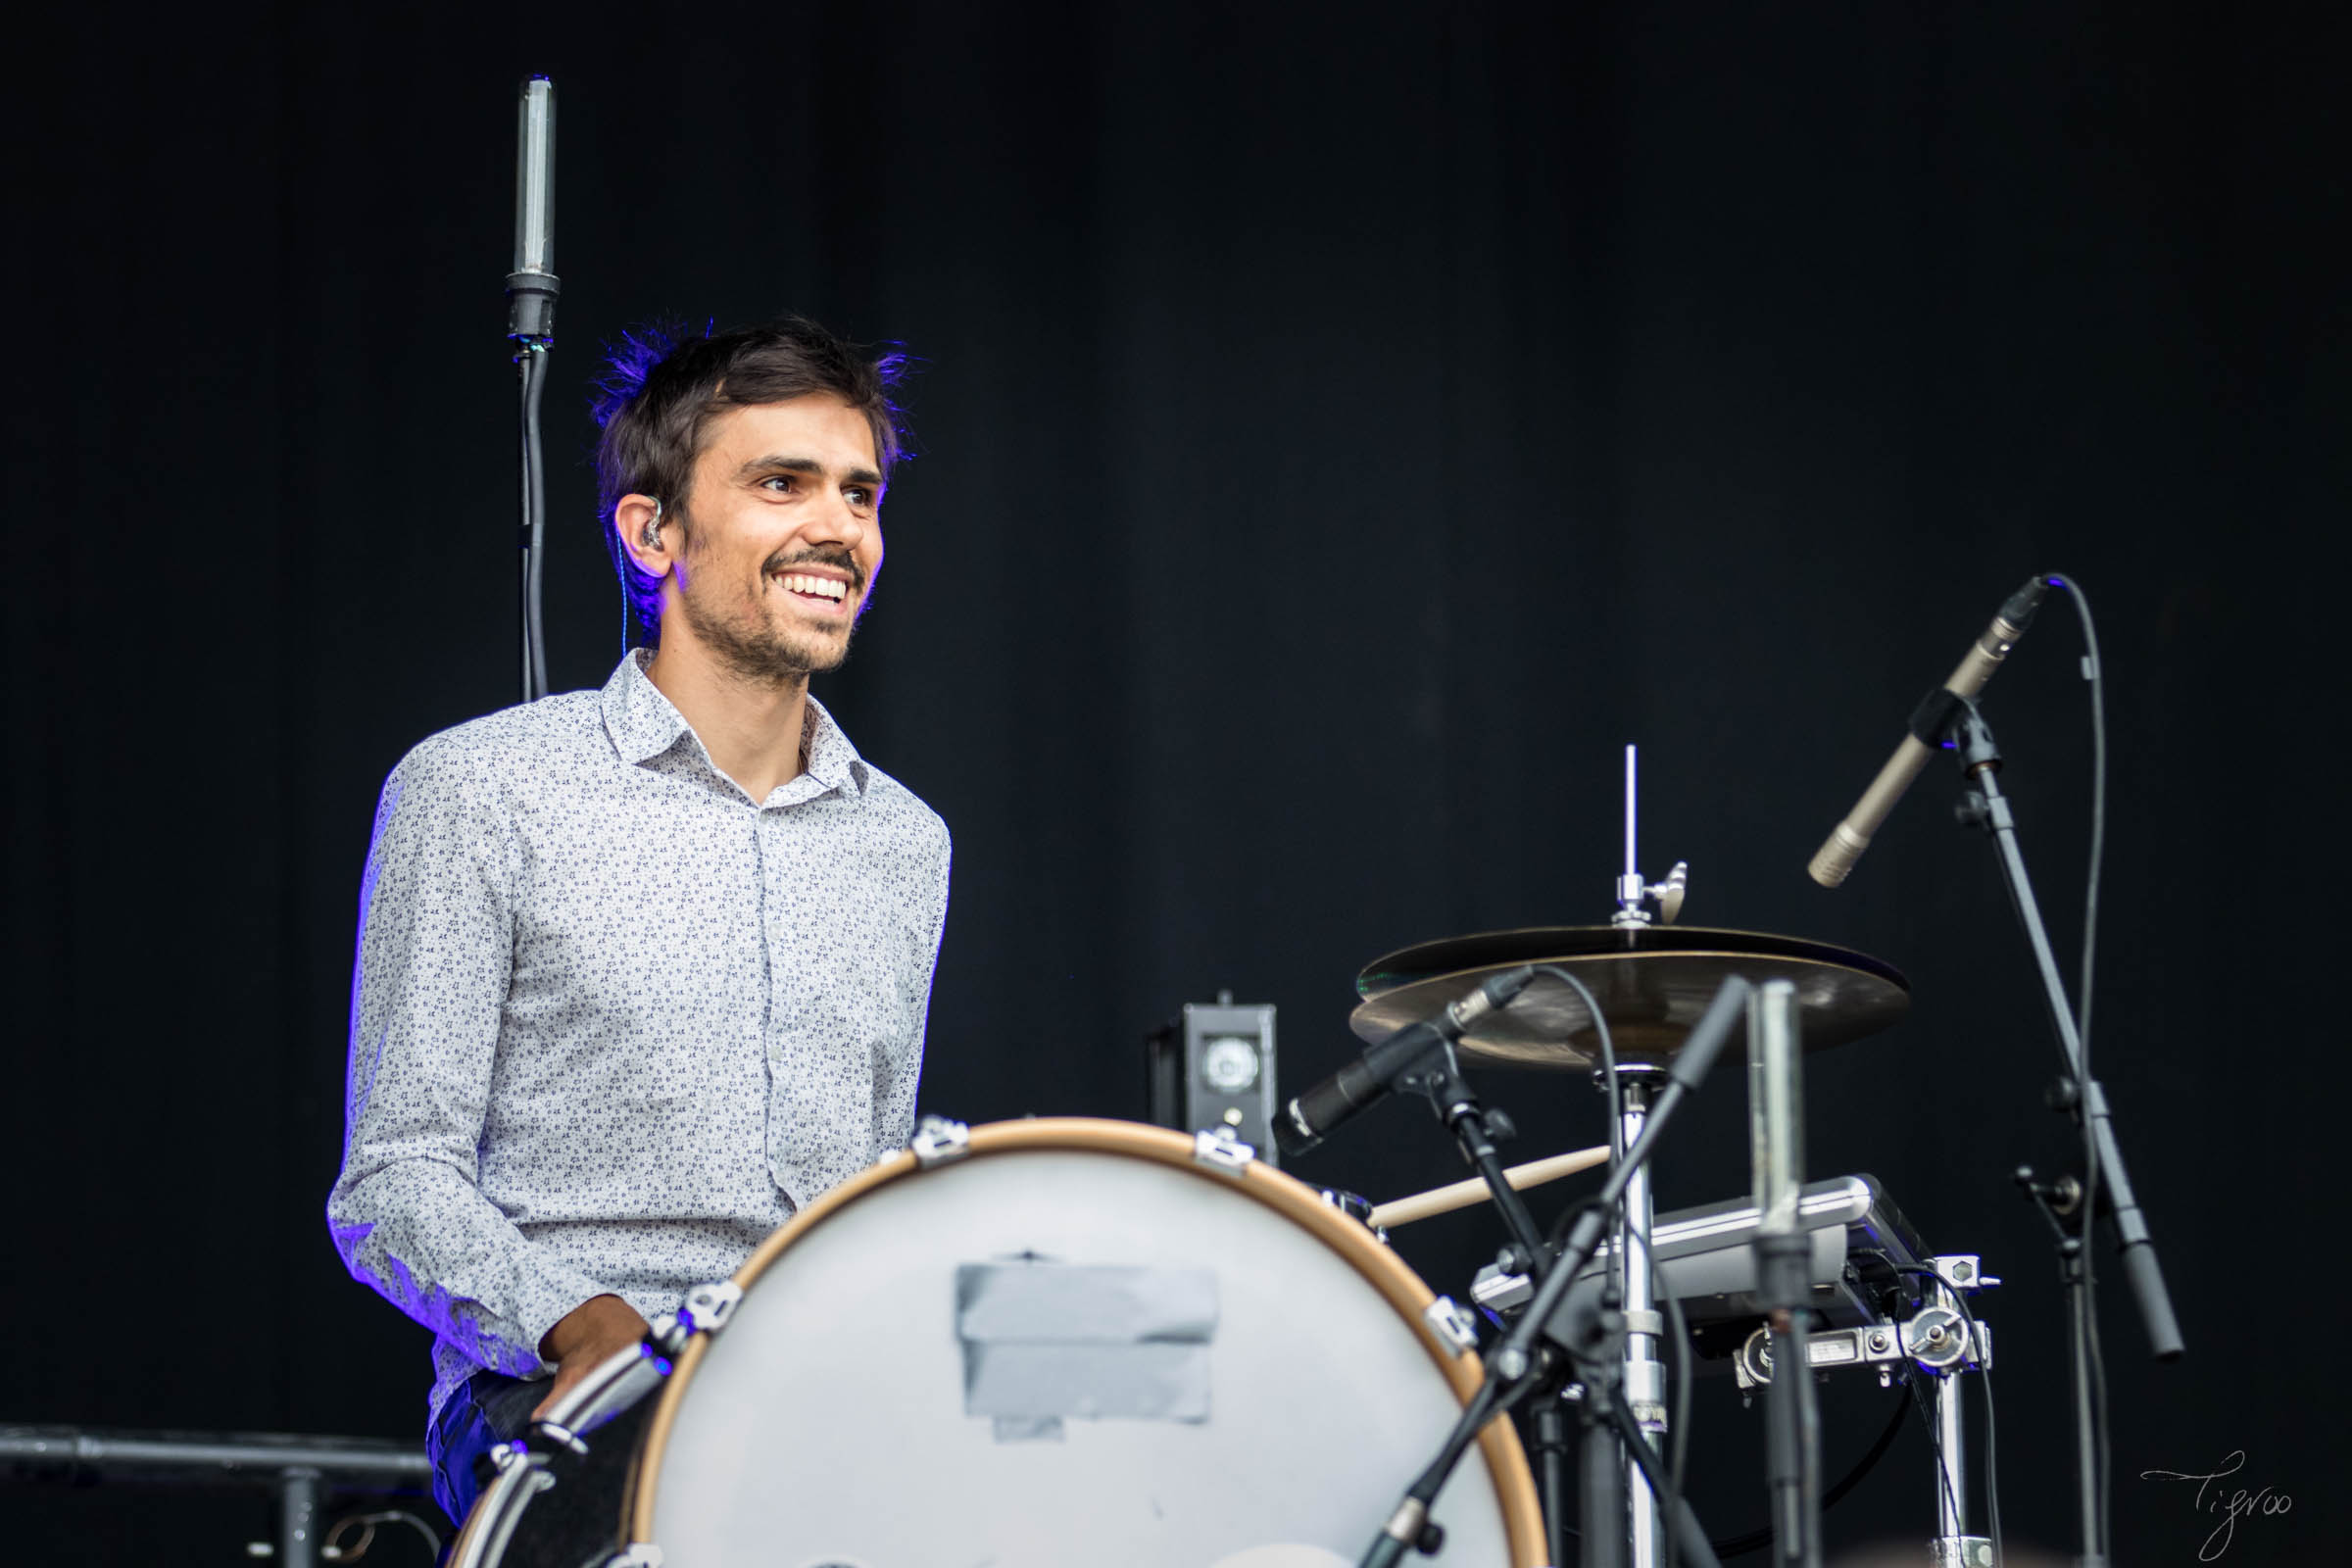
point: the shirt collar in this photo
(832, 761)
(643, 724)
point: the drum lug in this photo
(516, 1476)
(505, 1456)
(1221, 1148)
(939, 1141)
(561, 1436)
(1451, 1326)
(708, 1307)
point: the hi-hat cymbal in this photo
(1653, 984)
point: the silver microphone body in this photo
(532, 286)
(1848, 839)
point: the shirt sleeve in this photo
(428, 987)
(895, 1084)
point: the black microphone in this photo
(1850, 838)
(1315, 1116)
(532, 286)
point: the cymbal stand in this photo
(1642, 1375)
(1783, 1286)
(1519, 1364)
(1633, 894)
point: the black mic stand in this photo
(1436, 1076)
(1596, 1339)
(1963, 728)
(1594, 1334)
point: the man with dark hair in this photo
(644, 970)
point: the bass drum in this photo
(1077, 1343)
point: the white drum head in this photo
(859, 1410)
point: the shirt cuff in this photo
(553, 1292)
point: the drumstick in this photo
(1461, 1195)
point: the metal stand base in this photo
(303, 1471)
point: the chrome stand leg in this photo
(1951, 1462)
(1644, 1373)
(1953, 1547)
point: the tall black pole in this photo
(532, 290)
(1981, 760)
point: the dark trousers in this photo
(489, 1408)
(578, 1522)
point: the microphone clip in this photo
(532, 308)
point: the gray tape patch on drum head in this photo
(1044, 1341)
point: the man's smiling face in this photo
(784, 538)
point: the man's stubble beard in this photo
(752, 647)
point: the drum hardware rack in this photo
(306, 1471)
(1520, 1366)
(1703, 1260)
(1940, 1341)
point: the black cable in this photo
(1677, 1466)
(1560, 1227)
(2094, 675)
(1927, 1418)
(1608, 1058)
(531, 359)
(330, 1545)
(1679, 1436)
(1992, 1462)
(1608, 1067)
(1993, 1459)
(1758, 1540)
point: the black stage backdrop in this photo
(1342, 430)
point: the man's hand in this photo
(585, 1337)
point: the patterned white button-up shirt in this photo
(612, 1020)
